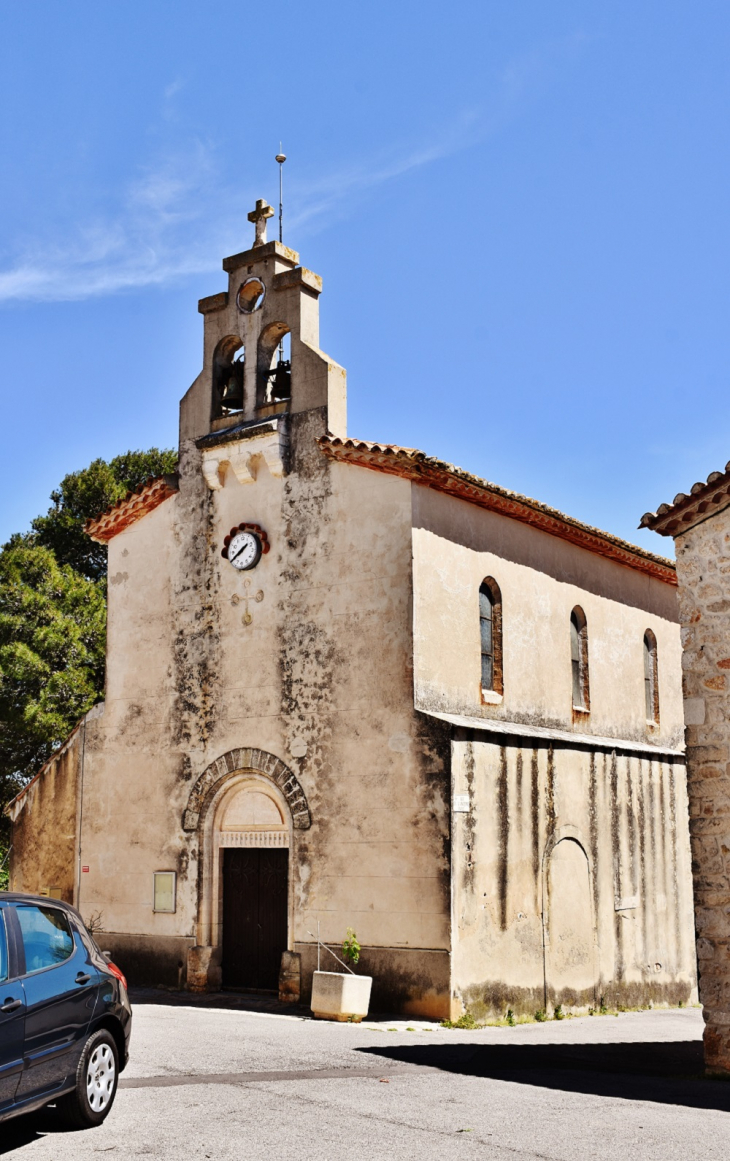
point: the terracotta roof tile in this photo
(443, 477)
(704, 499)
(131, 507)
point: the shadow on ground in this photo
(230, 1001)
(668, 1073)
(24, 1130)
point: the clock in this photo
(244, 546)
(244, 550)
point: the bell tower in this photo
(246, 378)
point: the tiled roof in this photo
(442, 477)
(142, 500)
(704, 500)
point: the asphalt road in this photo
(208, 1082)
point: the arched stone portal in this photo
(246, 808)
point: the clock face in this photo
(244, 550)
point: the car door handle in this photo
(10, 1005)
(82, 978)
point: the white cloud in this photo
(180, 217)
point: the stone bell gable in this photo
(245, 379)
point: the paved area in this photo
(216, 1079)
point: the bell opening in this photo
(228, 368)
(278, 379)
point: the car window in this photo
(47, 937)
(3, 949)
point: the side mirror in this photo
(107, 956)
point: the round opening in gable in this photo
(251, 296)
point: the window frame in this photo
(651, 677)
(580, 678)
(164, 910)
(20, 937)
(4, 941)
(491, 590)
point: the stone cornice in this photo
(130, 508)
(442, 477)
(704, 499)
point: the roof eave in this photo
(443, 477)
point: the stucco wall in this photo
(44, 816)
(571, 879)
(321, 679)
(542, 578)
(703, 571)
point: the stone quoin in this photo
(700, 525)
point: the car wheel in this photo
(96, 1083)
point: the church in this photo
(352, 686)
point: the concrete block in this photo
(340, 996)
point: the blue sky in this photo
(519, 209)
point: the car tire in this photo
(96, 1083)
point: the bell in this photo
(232, 397)
(232, 393)
(280, 379)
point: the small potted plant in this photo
(341, 995)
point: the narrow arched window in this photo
(490, 627)
(651, 677)
(579, 659)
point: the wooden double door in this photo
(255, 916)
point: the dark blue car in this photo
(65, 1017)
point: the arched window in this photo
(651, 677)
(490, 625)
(579, 659)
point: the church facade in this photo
(351, 686)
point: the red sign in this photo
(85, 870)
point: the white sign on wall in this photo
(461, 804)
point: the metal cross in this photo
(247, 617)
(259, 217)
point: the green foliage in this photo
(558, 1013)
(541, 1015)
(85, 494)
(52, 642)
(510, 1018)
(351, 948)
(464, 1021)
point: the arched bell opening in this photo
(273, 365)
(227, 377)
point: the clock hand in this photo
(237, 554)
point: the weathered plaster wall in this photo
(456, 545)
(571, 879)
(321, 678)
(703, 571)
(43, 856)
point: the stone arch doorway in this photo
(570, 937)
(251, 834)
(246, 807)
